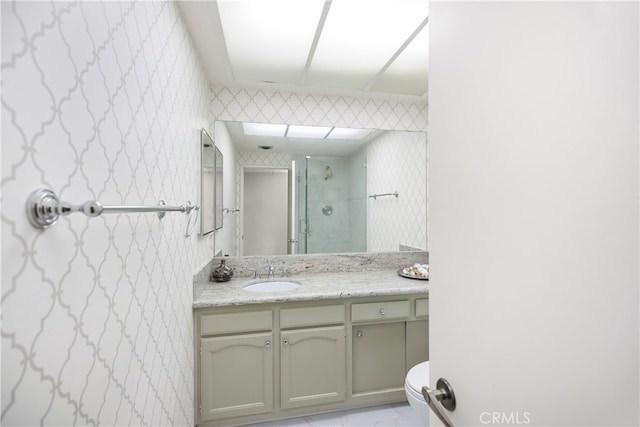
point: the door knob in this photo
(440, 399)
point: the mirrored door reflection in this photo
(266, 201)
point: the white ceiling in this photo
(347, 47)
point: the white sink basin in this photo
(272, 286)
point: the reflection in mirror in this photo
(329, 204)
(207, 183)
(218, 188)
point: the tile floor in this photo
(399, 414)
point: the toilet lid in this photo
(418, 376)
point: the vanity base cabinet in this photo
(312, 367)
(275, 361)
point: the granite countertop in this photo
(314, 286)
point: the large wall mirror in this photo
(309, 189)
(207, 183)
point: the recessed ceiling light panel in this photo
(408, 73)
(317, 132)
(360, 37)
(263, 129)
(269, 40)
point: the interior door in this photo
(533, 186)
(266, 211)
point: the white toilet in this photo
(418, 377)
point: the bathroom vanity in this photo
(338, 341)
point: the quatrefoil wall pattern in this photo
(99, 101)
(384, 231)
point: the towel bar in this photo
(44, 208)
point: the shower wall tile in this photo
(358, 200)
(99, 101)
(329, 233)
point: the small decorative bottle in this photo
(221, 273)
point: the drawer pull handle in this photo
(359, 334)
(267, 344)
(285, 342)
(383, 312)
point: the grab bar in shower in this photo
(44, 208)
(375, 196)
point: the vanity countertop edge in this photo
(316, 286)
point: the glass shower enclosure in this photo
(330, 214)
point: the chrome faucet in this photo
(271, 270)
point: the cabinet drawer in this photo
(216, 324)
(422, 307)
(310, 316)
(380, 311)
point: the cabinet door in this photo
(312, 366)
(379, 358)
(236, 376)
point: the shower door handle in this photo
(303, 230)
(440, 399)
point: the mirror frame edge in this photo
(204, 134)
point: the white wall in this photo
(533, 184)
(99, 101)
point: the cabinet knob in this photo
(267, 344)
(285, 342)
(383, 312)
(359, 334)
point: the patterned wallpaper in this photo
(396, 161)
(99, 101)
(269, 106)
